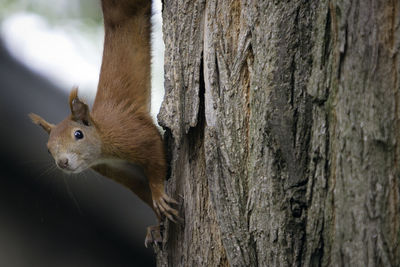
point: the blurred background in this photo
(48, 218)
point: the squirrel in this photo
(118, 135)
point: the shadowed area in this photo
(48, 218)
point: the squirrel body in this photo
(118, 138)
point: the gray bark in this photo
(283, 126)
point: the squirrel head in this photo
(75, 142)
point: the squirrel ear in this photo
(41, 122)
(79, 110)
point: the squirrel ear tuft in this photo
(41, 122)
(79, 110)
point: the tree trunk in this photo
(283, 127)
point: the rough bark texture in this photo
(283, 127)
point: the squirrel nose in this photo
(62, 163)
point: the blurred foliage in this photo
(56, 12)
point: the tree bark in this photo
(283, 127)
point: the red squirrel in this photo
(118, 134)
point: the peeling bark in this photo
(282, 125)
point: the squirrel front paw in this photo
(153, 235)
(161, 203)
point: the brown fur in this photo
(125, 71)
(122, 103)
(119, 133)
(41, 122)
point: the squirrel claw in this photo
(162, 206)
(153, 235)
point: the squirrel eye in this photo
(78, 134)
